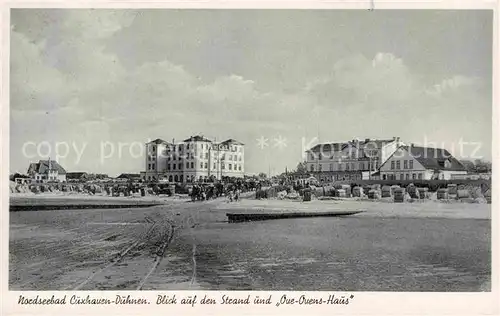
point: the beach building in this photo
(194, 159)
(350, 160)
(47, 171)
(421, 163)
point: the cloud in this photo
(71, 86)
(33, 84)
(454, 84)
(360, 80)
(92, 24)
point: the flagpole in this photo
(319, 142)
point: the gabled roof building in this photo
(421, 163)
(47, 171)
(350, 160)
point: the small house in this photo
(47, 171)
(421, 163)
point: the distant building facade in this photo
(421, 163)
(129, 177)
(76, 176)
(47, 171)
(351, 160)
(194, 159)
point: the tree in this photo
(16, 175)
(262, 175)
(301, 168)
(482, 166)
(469, 166)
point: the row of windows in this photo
(189, 146)
(205, 156)
(402, 176)
(340, 177)
(230, 167)
(203, 165)
(344, 155)
(348, 166)
(180, 178)
(407, 164)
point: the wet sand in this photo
(391, 247)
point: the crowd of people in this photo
(230, 190)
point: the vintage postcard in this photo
(294, 157)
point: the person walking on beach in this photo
(236, 194)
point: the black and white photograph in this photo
(163, 149)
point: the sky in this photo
(90, 87)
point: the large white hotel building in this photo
(194, 159)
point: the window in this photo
(180, 166)
(407, 176)
(398, 164)
(223, 166)
(240, 158)
(206, 155)
(401, 177)
(149, 166)
(206, 165)
(312, 167)
(153, 166)
(320, 167)
(392, 164)
(320, 156)
(174, 166)
(192, 165)
(331, 167)
(201, 165)
(215, 166)
(353, 166)
(239, 167)
(168, 166)
(414, 176)
(405, 164)
(230, 167)
(187, 165)
(361, 166)
(411, 164)
(347, 166)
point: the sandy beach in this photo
(382, 249)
